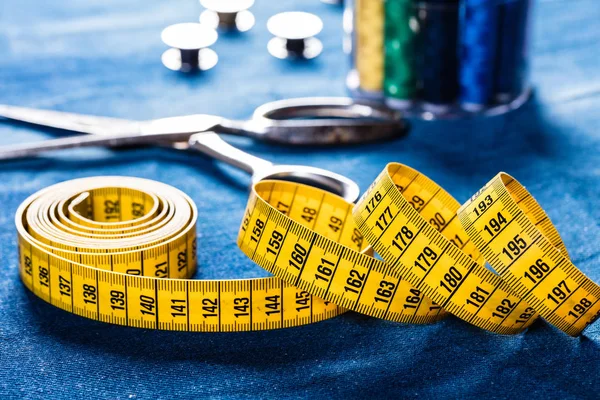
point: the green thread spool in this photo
(400, 81)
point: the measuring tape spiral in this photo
(83, 242)
(434, 253)
(101, 248)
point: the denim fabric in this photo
(103, 57)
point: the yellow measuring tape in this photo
(321, 264)
(100, 248)
(431, 247)
(80, 241)
(518, 239)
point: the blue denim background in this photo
(103, 57)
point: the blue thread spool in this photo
(511, 68)
(477, 53)
(437, 61)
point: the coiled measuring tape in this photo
(100, 248)
(431, 247)
(433, 252)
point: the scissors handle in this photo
(323, 121)
(325, 107)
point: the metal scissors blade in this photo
(135, 133)
(66, 121)
(106, 126)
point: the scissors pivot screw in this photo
(228, 15)
(189, 50)
(294, 33)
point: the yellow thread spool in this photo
(368, 53)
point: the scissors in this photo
(301, 121)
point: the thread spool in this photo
(477, 52)
(369, 48)
(511, 69)
(400, 81)
(437, 60)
